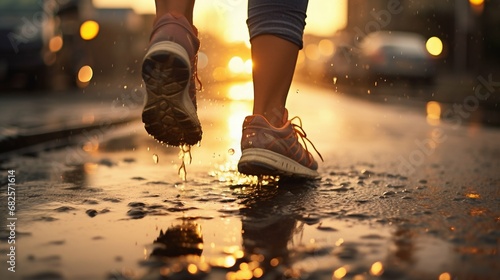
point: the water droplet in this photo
(369, 92)
(230, 151)
(297, 91)
(334, 80)
(156, 158)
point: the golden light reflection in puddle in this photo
(473, 195)
(444, 276)
(228, 261)
(377, 269)
(339, 273)
(192, 268)
(433, 112)
(237, 113)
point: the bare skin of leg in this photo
(184, 7)
(273, 59)
(274, 62)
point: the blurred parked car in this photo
(28, 39)
(397, 54)
(385, 55)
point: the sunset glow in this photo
(227, 18)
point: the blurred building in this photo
(109, 41)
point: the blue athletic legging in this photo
(282, 18)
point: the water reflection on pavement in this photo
(122, 212)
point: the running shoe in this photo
(169, 72)
(269, 150)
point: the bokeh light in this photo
(312, 52)
(89, 30)
(433, 110)
(476, 2)
(339, 273)
(444, 276)
(326, 47)
(202, 60)
(236, 64)
(56, 43)
(434, 46)
(85, 74)
(248, 66)
(377, 269)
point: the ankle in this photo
(276, 118)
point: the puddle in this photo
(119, 210)
(219, 225)
(199, 241)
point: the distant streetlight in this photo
(89, 30)
(476, 2)
(434, 46)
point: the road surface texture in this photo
(403, 194)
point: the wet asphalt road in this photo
(401, 196)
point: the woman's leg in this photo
(276, 29)
(274, 62)
(270, 143)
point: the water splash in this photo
(184, 155)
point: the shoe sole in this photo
(255, 161)
(169, 114)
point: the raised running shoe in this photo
(169, 72)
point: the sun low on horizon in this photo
(227, 18)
